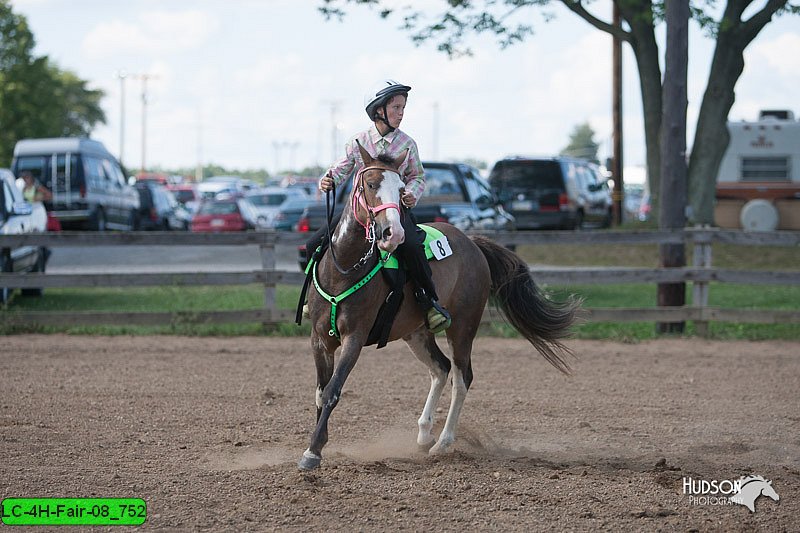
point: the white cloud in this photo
(156, 32)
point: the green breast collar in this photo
(386, 261)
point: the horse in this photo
(751, 487)
(476, 269)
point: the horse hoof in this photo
(426, 446)
(309, 461)
(440, 448)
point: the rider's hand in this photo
(325, 183)
(408, 199)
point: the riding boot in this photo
(412, 254)
(437, 318)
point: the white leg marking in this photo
(448, 435)
(425, 422)
(416, 342)
(311, 455)
(319, 398)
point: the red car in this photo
(234, 214)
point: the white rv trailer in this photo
(758, 185)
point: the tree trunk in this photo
(673, 154)
(645, 50)
(711, 134)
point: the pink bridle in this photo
(358, 197)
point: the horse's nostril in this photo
(387, 234)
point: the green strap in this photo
(334, 300)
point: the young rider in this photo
(385, 105)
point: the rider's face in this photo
(395, 109)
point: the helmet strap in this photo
(384, 119)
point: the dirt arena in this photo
(208, 431)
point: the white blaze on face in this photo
(390, 234)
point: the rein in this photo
(358, 197)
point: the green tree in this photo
(732, 30)
(37, 99)
(582, 143)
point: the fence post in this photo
(701, 259)
(267, 249)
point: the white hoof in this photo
(441, 448)
(426, 445)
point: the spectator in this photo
(33, 191)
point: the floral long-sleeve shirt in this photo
(392, 145)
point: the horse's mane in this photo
(748, 479)
(385, 159)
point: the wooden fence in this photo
(700, 274)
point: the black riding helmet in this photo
(379, 96)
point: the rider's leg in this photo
(412, 253)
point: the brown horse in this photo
(464, 281)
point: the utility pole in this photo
(616, 156)
(144, 78)
(198, 171)
(334, 106)
(121, 75)
(435, 131)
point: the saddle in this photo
(436, 246)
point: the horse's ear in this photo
(400, 161)
(365, 157)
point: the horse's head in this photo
(376, 199)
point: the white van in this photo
(90, 190)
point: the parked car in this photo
(187, 195)
(159, 210)
(454, 193)
(237, 184)
(290, 212)
(212, 190)
(552, 193)
(18, 216)
(89, 187)
(231, 214)
(268, 201)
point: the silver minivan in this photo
(90, 190)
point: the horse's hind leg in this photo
(462, 378)
(425, 349)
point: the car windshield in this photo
(267, 200)
(218, 208)
(442, 182)
(528, 175)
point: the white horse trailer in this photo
(758, 185)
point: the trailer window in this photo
(765, 169)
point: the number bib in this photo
(440, 248)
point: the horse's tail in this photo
(541, 321)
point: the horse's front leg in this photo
(327, 400)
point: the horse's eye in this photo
(371, 186)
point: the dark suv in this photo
(552, 193)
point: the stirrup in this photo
(437, 319)
(306, 313)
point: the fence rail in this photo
(700, 274)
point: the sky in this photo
(272, 84)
